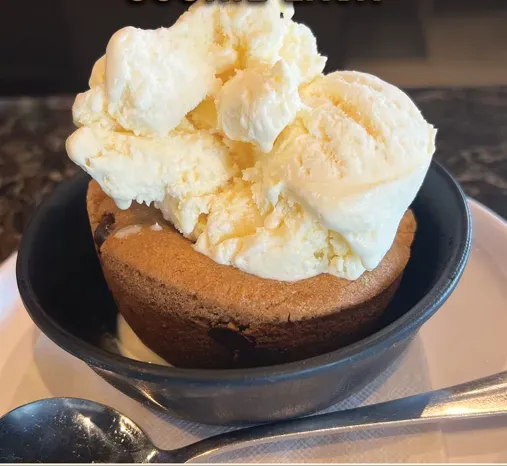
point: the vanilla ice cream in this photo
(226, 124)
(354, 160)
(132, 168)
(258, 103)
(152, 78)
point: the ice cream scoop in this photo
(258, 103)
(354, 160)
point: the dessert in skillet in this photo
(247, 209)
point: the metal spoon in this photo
(74, 430)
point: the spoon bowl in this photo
(71, 430)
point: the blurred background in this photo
(449, 55)
(49, 47)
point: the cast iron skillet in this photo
(62, 287)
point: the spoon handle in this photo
(482, 397)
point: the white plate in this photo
(464, 340)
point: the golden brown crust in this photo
(159, 280)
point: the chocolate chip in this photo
(231, 339)
(106, 226)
